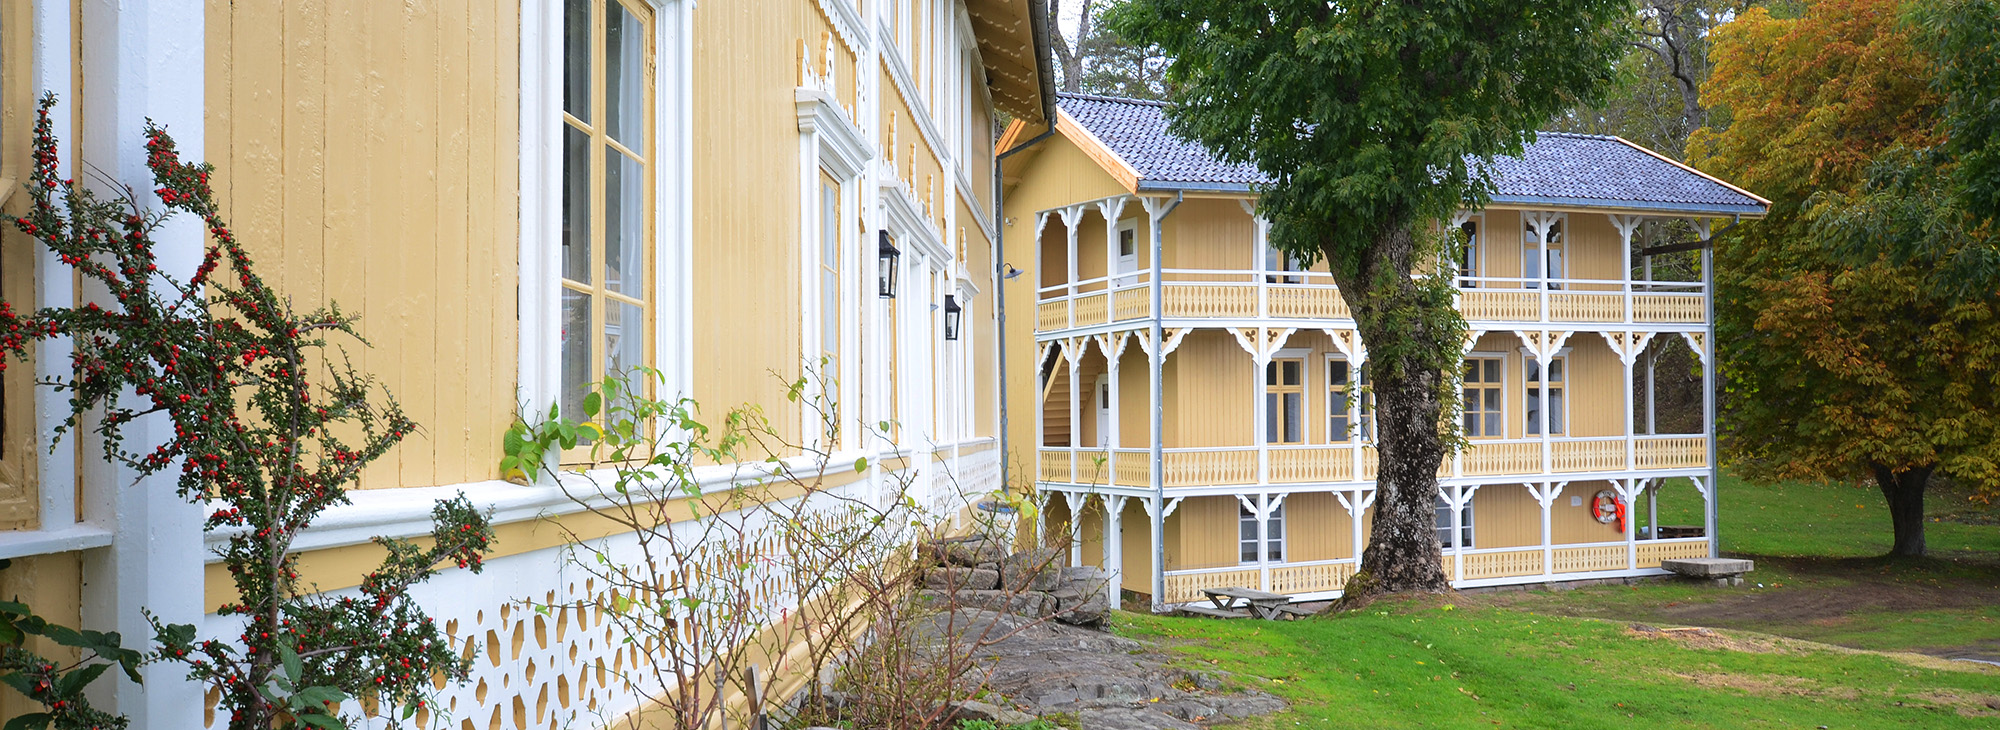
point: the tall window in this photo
(1268, 547)
(1534, 410)
(607, 215)
(831, 297)
(1531, 255)
(1482, 398)
(1468, 262)
(1284, 402)
(1347, 400)
(1279, 261)
(1445, 539)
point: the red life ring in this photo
(1608, 508)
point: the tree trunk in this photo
(1904, 491)
(1403, 553)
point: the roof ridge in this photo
(1114, 99)
(1574, 135)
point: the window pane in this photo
(625, 77)
(1492, 399)
(624, 337)
(1336, 372)
(576, 334)
(1271, 417)
(1294, 418)
(1492, 371)
(1556, 371)
(1492, 424)
(1336, 429)
(576, 58)
(1471, 424)
(1271, 373)
(624, 224)
(1555, 411)
(1291, 372)
(576, 206)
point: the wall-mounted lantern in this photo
(952, 312)
(886, 256)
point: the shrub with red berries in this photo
(270, 423)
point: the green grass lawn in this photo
(1419, 664)
(1566, 658)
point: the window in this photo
(1534, 383)
(832, 294)
(1270, 545)
(1531, 243)
(1284, 402)
(607, 189)
(1468, 261)
(1348, 400)
(1128, 252)
(1444, 524)
(1482, 398)
(1275, 260)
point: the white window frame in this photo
(830, 142)
(1505, 392)
(1128, 266)
(1527, 358)
(1533, 252)
(1264, 542)
(1465, 522)
(541, 131)
(1362, 429)
(1304, 356)
(1476, 248)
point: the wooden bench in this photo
(1196, 610)
(1262, 604)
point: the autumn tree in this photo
(1371, 120)
(1841, 366)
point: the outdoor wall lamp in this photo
(952, 312)
(886, 256)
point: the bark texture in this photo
(1403, 553)
(1904, 491)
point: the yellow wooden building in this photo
(1200, 416)
(519, 196)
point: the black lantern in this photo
(886, 256)
(951, 315)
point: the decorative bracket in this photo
(1543, 344)
(1348, 342)
(1627, 345)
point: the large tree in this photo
(1844, 358)
(1371, 118)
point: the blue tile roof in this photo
(1559, 168)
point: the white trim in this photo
(844, 151)
(920, 112)
(847, 24)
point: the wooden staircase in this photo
(1056, 427)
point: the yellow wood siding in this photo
(1317, 528)
(52, 585)
(1596, 406)
(1137, 565)
(1135, 415)
(1208, 233)
(1216, 384)
(367, 155)
(1208, 533)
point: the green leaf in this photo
(9, 635)
(293, 668)
(32, 721)
(861, 464)
(328, 722)
(74, 682)
(515, 439)
(592, 403)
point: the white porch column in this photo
(1077, 502)
(1113, 346)
(140, 61)
(1072, 217)
(1073, 350)
(1546, 495)
(1114, 548)
(1157, 209)
(1707, 353)
(1627, 225)
(1628, 490)
(1457, 505)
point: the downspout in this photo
(1158, 372)
(1038, 23)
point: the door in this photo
(1103, 411)
(1128, 253)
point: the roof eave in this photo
(1747, 210)
(1172, 186)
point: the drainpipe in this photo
(1038, 24)
(1158, 368)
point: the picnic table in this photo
(1262, 604)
